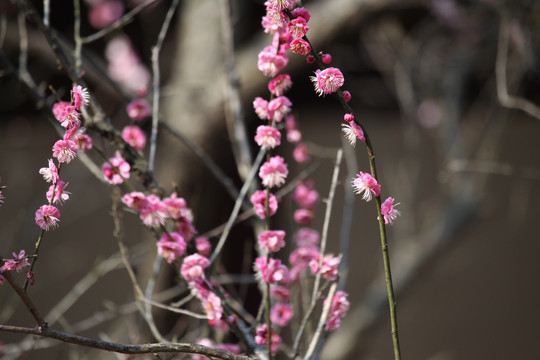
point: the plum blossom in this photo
(280, 84)
(261, 108)
(261, 337)
(280, 5)
(329, 268)
(273, 172)
(81, 140)
(327, 81)
(303, 12)
(301, 47)
(50, 174)
(307, 237)
(298, 27)
(267, 137)
(211, 302)
(116, 170)
(281, 314)
(301, 153)
(272, 240)
(154, 212)
(135, 200)
(172, 247)
(192, 268)
(66, 114)
(18, 262)
(305, 195)
(280, 293)
(203, 246)
(365, 183)
(303, 216)
(258, 199)
(134, 136)
(59, 194)
(104, 13)
(353, 132)
(347, 95)
(138, 109)
(47, 217)
(326, 58)
(388, 211)
(64, 151)
(278, 108)
(338, 310)
(271, 271)
(80, 97)
(270, 63)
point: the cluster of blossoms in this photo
(68, 115)
(368, 186)
(117, 169)
(18, 263)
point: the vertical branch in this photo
(326, 223)
(25, 299)
(77, 36)
(322, 322)
(234, 113)
(156, 83)
(46, 12)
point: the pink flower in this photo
(125, 66)
(281, 314)
(116, 170)
(353, 132)
(212, 307)
(258, 199)
(278, 108)
(280, 293)
(177, 207)
(64, 150)
(81, 140)
(18, 263)
(329, 268)
(66, 114)
(347, 95)
(154, 212)
(270, 272)
(327, 81)
(50, 174)
(135, 200)
(171, 249)
(301, 153)
(267, 137)
(365, 183)
(300, 46)
(203, 246)
(338, 310)
(272, 240)
(134, 136)
(270, 63)
(348, 117)
(105, 13)
(280, 5)
(304, 195)
(261, 108)
(294, 136)
(274, 23)
(80, 97)
(280, 84)
(301, 12)
(261, 337)
(273, 172)
(326, 58)
(307, 237)
(138, 109)
(193, 267)
(298, 27)
(302, 256)
(303, 216)
(59, 194)
(388, 212)
(47, 217)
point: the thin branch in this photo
(156, 84)
(322, 321)
(326, 223)
(507, 100)
(238, 204)
(118, 24)
(126, 348)
(174, 309)
(25, 299)
(234, 113)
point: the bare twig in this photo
(126, 348)
(322, 321)
(156, 83)
(118, 24)
(25, 299)
(507, 100)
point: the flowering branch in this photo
(126, 348)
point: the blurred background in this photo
(449, 93)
